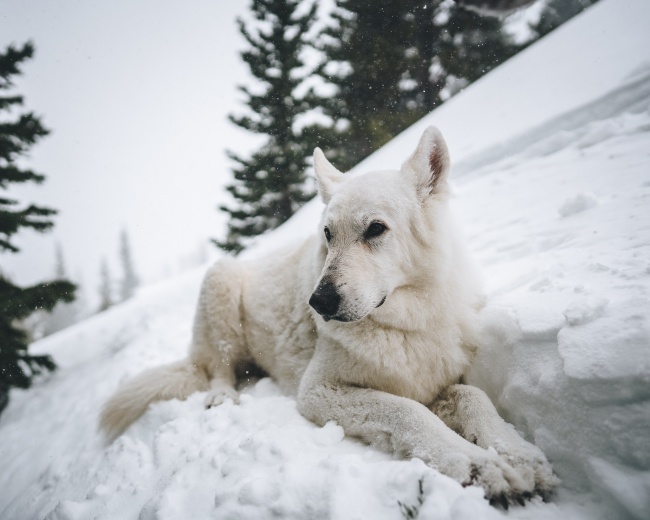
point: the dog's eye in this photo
(374, 230)
(328, 235)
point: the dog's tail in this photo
(174, 381)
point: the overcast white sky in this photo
(136, 94)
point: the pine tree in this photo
(365, 46)
(105, 288)
(270, 185)
(18, 133)
(556, 12)
(64, 314)
(59, 267)
(394, 62)
(469, 45)
(129, 282)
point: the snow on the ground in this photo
(551, 157)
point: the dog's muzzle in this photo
(326, 301)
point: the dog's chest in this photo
(417, 365)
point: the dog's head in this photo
(374, 227)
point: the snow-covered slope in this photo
(551, 159)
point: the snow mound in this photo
(581, 202)
(565, 357)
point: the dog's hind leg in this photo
(469, 412)
(218, 343)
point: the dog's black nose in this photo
(325, 300)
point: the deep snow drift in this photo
(551, 162)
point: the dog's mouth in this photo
(347, 319)
(342, 319)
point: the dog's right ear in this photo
(327, 176)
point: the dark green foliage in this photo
(556, 12)
(471, 45)
(18, 132)
(17, 135)
(17, 367)
(366, 50)
(270, 185)
(401, 60)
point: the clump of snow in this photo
(581, 202)
(584, 311)
(599, 345)
(566, 345)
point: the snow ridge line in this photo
(631, 97)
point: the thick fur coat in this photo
(370, 323)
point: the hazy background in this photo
(136, 95)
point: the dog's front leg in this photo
(468, 411)
(408, 429)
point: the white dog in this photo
(371, 323)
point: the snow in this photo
(581, 202)
(550, 157)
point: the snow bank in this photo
(554, 195)
(567, 353)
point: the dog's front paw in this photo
(501, 482)
(531, 465)
(216, 397)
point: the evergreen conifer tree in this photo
(469, 45)
(18, 132)
(394, 62)
(64, 314)
(129, 282)
(105, 288)
(270, 186)
(556, 12)
(365, 46)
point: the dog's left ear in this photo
(327, 176)
(429, 164)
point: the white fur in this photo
(387, 364)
